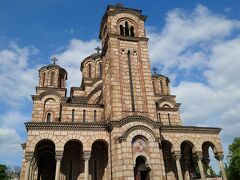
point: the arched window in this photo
(49, 117)
(43, 79)
(169, 119)
(126, 29)
(95, 115)
(159, 117)
(51, 78)
(100, 70)
(132, 31)
(90, 70)
(121, 30)
(84, 115)
(161, 86)
(154, 87)
(73, 115)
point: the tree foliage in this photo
(233, 169)
(4, 172)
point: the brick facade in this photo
(122, 123)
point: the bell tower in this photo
(127, 84)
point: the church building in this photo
(121, 123)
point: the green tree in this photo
(3, 172)
(233, 169)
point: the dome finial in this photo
(54, 60)
(98, 49)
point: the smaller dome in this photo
(52, 75)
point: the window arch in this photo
(49, 117)
(132, 31)
(43, 79)
(51, 78)
(95, 115)
(126, 28)
(84, 115)
(100, 70)
(169, 119)
(89, 70)
(73, 115)
(121, 30)
(161, 86)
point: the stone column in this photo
(28, 157)
(86, 157)
(31, 169)
(219, 157)
(176, 156)
(199, 157)
(35, 171)
(206, 162)
(58, 157)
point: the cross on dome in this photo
(154, 70)
(54, 60)
(98, 49)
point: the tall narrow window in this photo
(159, 117)
(60, 81)
(51, 78)
(43, 79)
(89, 70)
(126, 29)
(49, 117)
(73, 115)
(121, 30)
(169, 119)
(154, 87)
(70, 170)
(84, 115)
(132, 31)
(95, 170)
(100, 70)
(95, 115)
(161, 86)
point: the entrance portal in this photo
(141, 170)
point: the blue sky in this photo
(195, 43)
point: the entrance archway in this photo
(98, 160)
(141, 169)
(45, 156)
(72, 163)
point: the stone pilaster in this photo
(28, 157)
(219, 156)
(58, 157)
(199, 157)
(177, 156)
(86, 157)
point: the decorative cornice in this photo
(82, 105)
(167, 109)
(65, 126)
(135, 118)
(128, 38)
(108, 126)
(138, 127)
(190, 129)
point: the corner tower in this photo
(127, 86)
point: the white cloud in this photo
(205, 46)
(9, 142)
(184, 33)
(12, 126)
(17, 79)
(71, 57)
